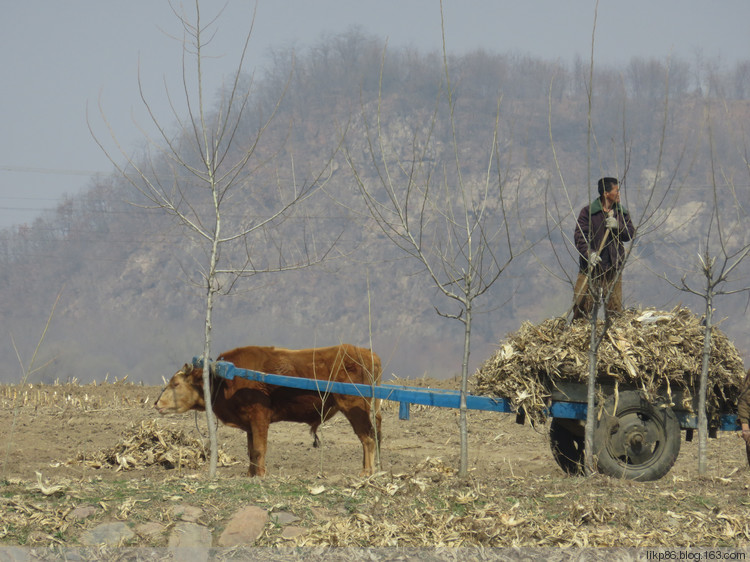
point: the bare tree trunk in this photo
(463, 469)
(588, 446)
(212, 285)
(210, 417)
(702, 414)
(374, 402)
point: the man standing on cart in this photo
(603, 226)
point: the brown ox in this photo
(252, 405)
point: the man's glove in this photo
(594, 259)
(611, 223)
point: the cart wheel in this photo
(638, 442)
(566, 441)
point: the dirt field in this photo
(516, 495)
(86, 419)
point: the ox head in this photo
(183, 392)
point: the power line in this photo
(55, 171)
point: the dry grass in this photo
(531, 512)
(425, 507)
(89, 398)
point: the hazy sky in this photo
(58, 56)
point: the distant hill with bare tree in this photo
(127, 306)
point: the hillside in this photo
(125, 275)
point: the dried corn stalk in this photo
(648, 349)
(150, 445)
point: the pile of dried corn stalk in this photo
(649, 349)
(149, 445)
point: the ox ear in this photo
(191, 371)
(195, 371)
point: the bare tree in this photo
(726, 247)
(653, 205)
(454, 224)
(196, 175)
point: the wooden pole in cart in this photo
(578, 297)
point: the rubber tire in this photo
(640, 442)
(567, 446)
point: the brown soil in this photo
(51, 426)
(60, 422)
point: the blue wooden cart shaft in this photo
(407, 395)
(427, 396)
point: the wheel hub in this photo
(635, 440)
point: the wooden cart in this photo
(634, 438)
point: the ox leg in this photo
(314, 432)
(359, 417)
(257, 438)
(316, 439)
(253, 469)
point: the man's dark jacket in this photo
(591, 220)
